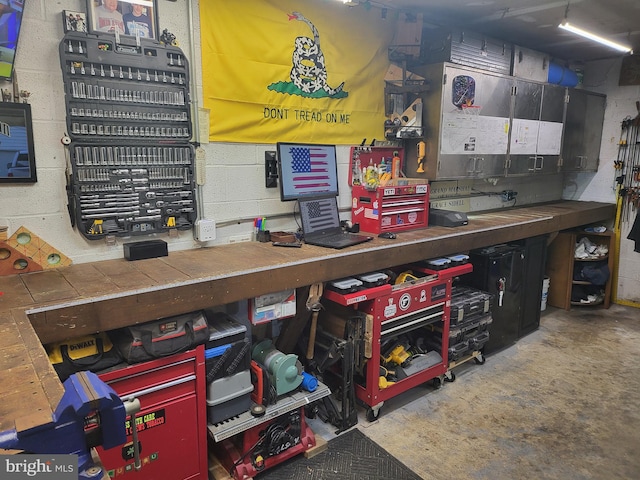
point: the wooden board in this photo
(32, 246)
(12, 261)
(320, 446)
(30, 388)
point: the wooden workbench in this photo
(52, 305)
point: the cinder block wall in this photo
(234, 192)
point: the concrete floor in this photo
(563, 403)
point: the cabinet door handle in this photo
(541, 158)
(471, 166)
(479, 165)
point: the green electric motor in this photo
(285, 371)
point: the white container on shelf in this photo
(545, 293)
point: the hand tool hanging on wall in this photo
(627, 178)
(627, 166)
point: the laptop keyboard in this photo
(339, 239)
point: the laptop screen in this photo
(319, 214)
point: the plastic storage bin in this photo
(229, 396)
(223, 329)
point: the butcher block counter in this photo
(52, 305)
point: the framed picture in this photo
(74, 21)
(17, 156)
(135, 18)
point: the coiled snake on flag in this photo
(309, 72)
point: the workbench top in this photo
(53, 305)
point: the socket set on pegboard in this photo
(129, 120)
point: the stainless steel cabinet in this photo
(481, 124)
(536, 128)
(467, 122)
(583, 131)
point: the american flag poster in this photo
(310, 169)
(319, 214)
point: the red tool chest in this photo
(392, 208)
(396, 310)
(171, 423)
(397, 204)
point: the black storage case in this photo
(458, 350)
(478, 341)
(476, 324)
(468, 302)
(145, 249)
(129, 120)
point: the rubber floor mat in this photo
(350, 456)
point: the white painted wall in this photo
(602, 76)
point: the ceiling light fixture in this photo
(565, 25)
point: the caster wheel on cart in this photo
(479, 359)
(373, 414)
(450, 377)
(437, 382)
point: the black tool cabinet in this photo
(129, 121)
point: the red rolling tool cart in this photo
(397, 310)
(171, 423)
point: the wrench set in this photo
(128, 117)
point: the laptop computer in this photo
(321, 224)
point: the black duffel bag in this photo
(90, 352)
(161, 338)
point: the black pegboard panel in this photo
(129, 120)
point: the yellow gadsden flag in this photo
(294, 70)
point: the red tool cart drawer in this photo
(391, 208)
(171, 423)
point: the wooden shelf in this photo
(590, 304)
(599, 259)
(561, 262)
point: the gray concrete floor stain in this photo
(562, 403)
